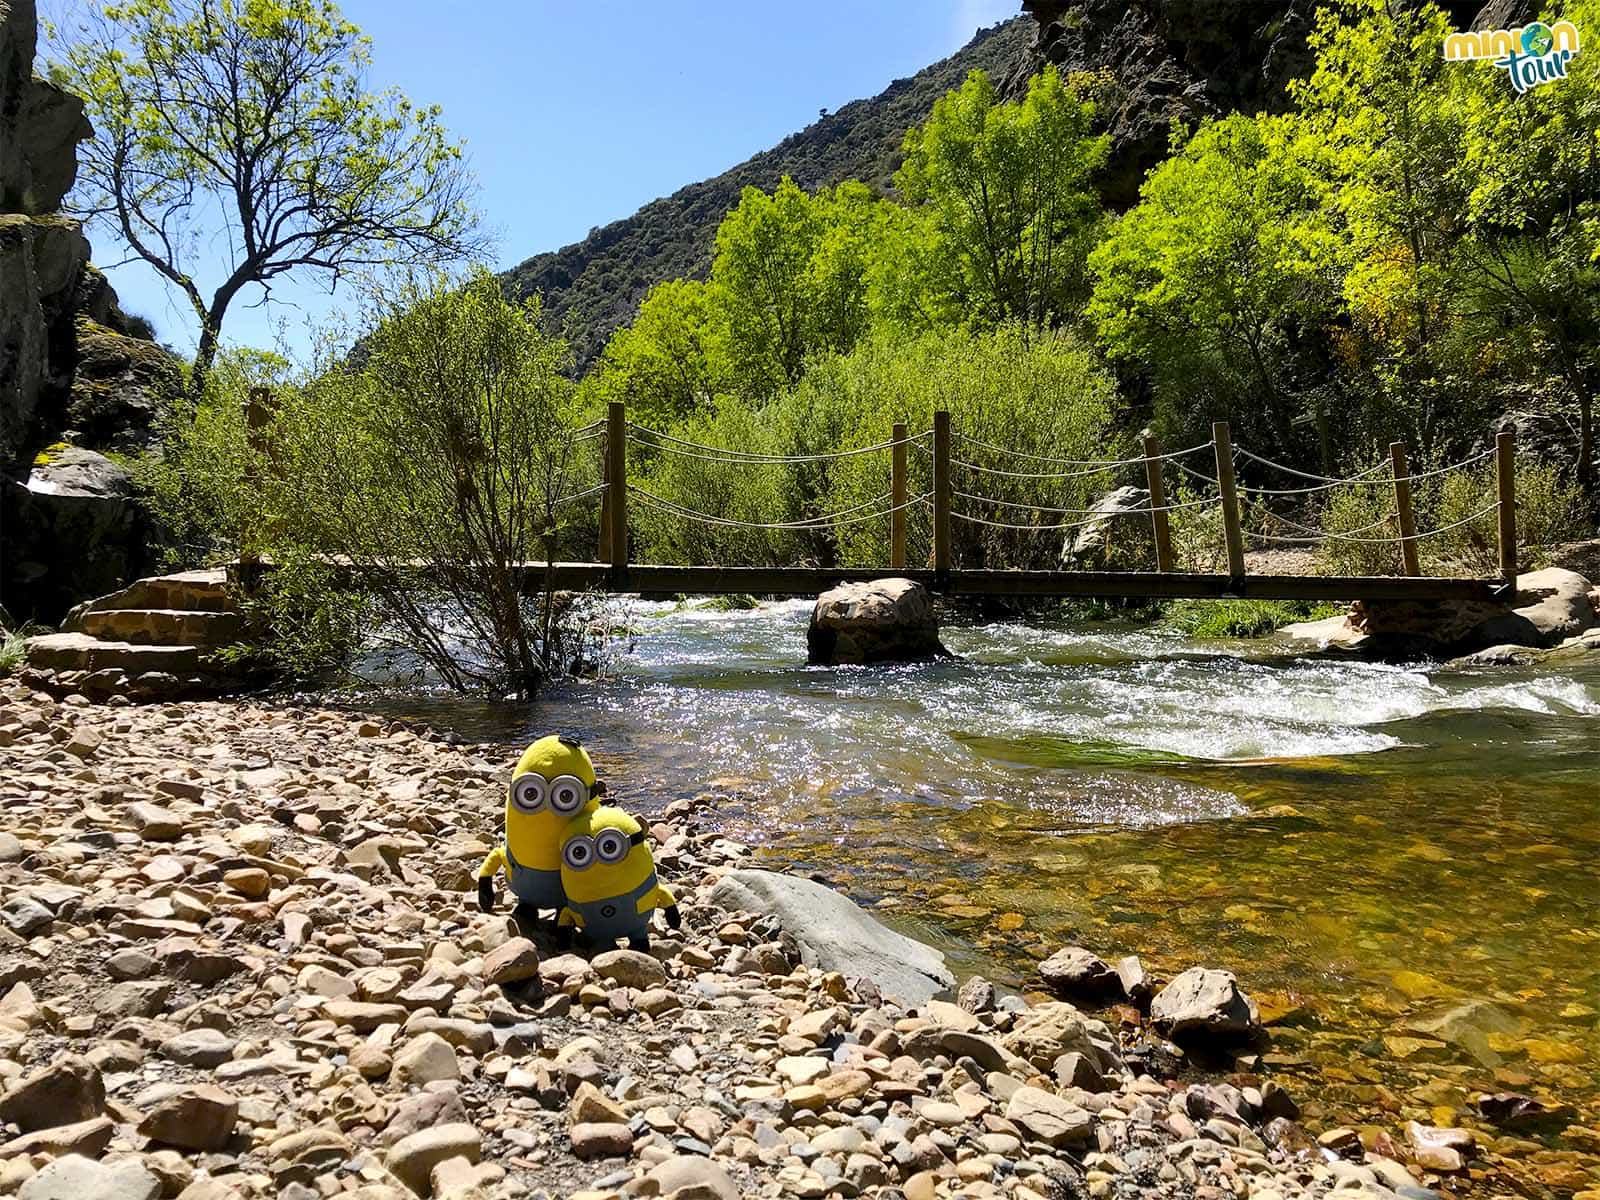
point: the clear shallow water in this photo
(1365, 845)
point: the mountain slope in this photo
(595, 285)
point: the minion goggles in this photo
(565, 794)
(608, 846)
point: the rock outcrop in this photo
(40, 124)
(886, 620)
(75, 377)
(1185, 60)
(1117, 535)
(72, 529)
(1551, 608)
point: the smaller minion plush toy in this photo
(609, 876)
(553, 782)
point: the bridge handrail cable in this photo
(1101, 467)
(747, 457)
(1204, 501)
(1077, 462)
(844, 516)
(1351, 536)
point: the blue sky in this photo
(576, 114)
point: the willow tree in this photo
(236, 142)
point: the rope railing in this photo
(845, 516)
(583, 495)
(669, 444)
(1080, 462)
(969, 505)
(1203, 502)
(1360, 478)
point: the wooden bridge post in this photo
(941, 491)
(1158, 504)
(1505, 461)
(1222, 442)
(257, 418)
(1401, 471)
(616, 515)
(897, 498)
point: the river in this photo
(1367, 846)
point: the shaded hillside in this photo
(595, 285)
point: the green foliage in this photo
(1241, 618)
(252, 120)
(1042, 395)
(1212, 279)
(197, 486)
(450, 447)
(13, 650)
(1006, 188)
(663, 366)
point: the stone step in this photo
(190, 591)
(162, 626)
(80, 652)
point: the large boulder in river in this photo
(834, 934)
(886, 620)
(1203, 1003)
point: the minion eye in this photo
(528, 792)
(578, 853)
(567, 794)
(611, 846)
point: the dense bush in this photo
(1042, 395)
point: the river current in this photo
(1371, 848)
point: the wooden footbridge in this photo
(615, 571)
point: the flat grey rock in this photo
(836, 934)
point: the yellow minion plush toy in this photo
(554, 781)
(609, 876)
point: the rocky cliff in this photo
(74, 379)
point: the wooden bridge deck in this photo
(809, 581)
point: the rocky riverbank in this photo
(239, 957)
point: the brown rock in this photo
(66, 1092)
(511, 962)
(195, 1117)
(413, 1158)
(602, 1140)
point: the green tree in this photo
(450, 446)
(1212, 280)
(249, 123)
(1531, 260)
(1387, 126)
(669, 361)
(1007, 189)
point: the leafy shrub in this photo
(1550, 510)
(1241, 618)
(1042, 395)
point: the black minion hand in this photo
(674, 917)
(486, 893)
